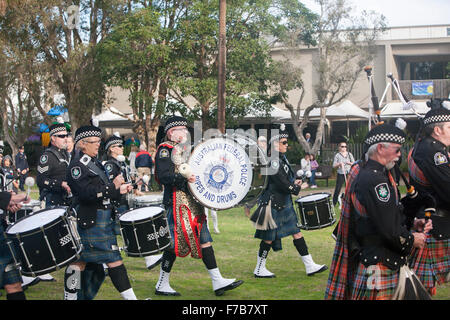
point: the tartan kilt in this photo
(432, 263)
(366, 288)
(286, 220)
(99, 242)
(11, 276)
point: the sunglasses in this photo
(62, 136)
(119, 146)
(343, 146)
(284, 143)
(97, 141)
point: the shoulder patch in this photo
(108, 167)
(382, 191)
(44, 159)
(440, 158)
(75, 172)
(164, 153)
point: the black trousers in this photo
(340, 181)
(22, 178)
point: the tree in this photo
(69, 55)
(345, 44)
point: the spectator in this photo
(70, 146)
(10, 183)
(22, 167)
(305, 164)
(144, 164)
(314, 165)
(343, 161)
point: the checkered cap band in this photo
(57, 128)
(436, 119)
(112, 141)
(385, 137)
(279, 136)
(175, 122)
(86, 132)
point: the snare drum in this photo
(26, 210)
(145, 231)
(227, 171)
(148, 200)
(44, 242)
(315, 211)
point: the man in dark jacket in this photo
(22, 167)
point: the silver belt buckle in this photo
(106, 202)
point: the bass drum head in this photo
(140, 214)
(223, 173)
(36, 220)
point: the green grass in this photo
(235, 249)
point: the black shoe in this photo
(234, 285)
(162, 293)
(150, 267)
(318, 271)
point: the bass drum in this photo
(228, 171)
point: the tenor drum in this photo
(26, 210)
(315, 211)
(44, 242)
(145, 231)
(228, 171)
(148, 200)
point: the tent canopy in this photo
(343, 111)
(395, 109)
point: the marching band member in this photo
(186, 217)
(429, 169)
(115, 166)
(10, 277)
(51, 170)
(94, 192)
(373, 242)
(278, 219)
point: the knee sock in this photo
(119, 278)
(167, 261)
(16, 296)
(209, 259)
(264, 249)
(300, 244)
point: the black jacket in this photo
(379, 223)
(91, 188)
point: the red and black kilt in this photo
(432, 263)
(371, 285)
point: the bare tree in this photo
(345, 44)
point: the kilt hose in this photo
(9, 273)
(99, 242)
(432, 263)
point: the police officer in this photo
(429, 169)
(94, 191)
(280, 216)
(373, 242)
(51, 170)
(169, 156)
(10, 277)
(22, 167)
(115, 166)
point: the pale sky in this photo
(403, 12)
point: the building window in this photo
(448, 31)
(425, 70)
